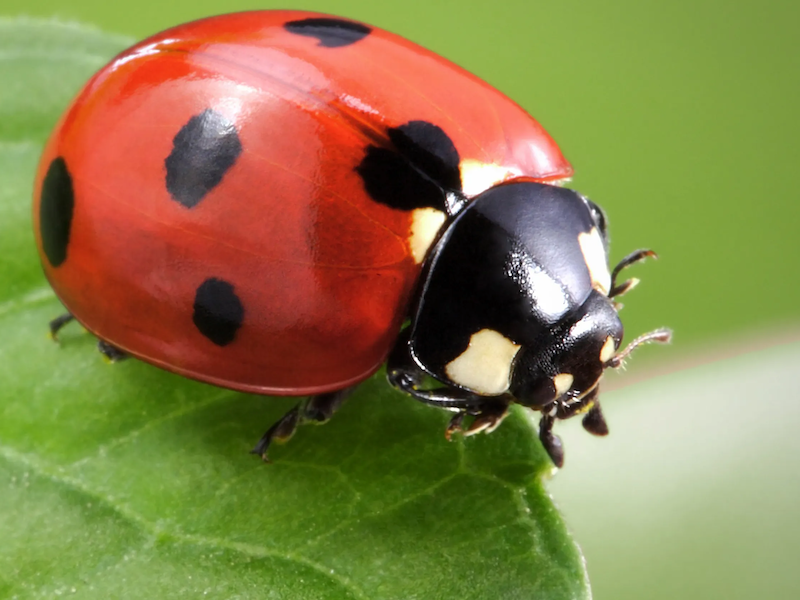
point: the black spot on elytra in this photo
(203, 151)
(331, 33)
(391, 180)
(418, 171)
(56, 206)
(431, 150)
(218, 312)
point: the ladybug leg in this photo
(112, 353)
(550, 441)
(487, 420)
(627, 286)
(594, 422)
(489, 411)
(490, 417)
(404, 374)
(281, 431)
(314, 409)
(321, 408)
(58, 323)
(455, 424)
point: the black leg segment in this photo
(626, 286)
(551, 442)
(112, 353)
(314, 409)
(281, 431)
(58, 324)
(594, 422)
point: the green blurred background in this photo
(680, 119)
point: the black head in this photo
(566, 366)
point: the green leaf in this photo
(120, 480)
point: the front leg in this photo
(551, 442)
(488, 411)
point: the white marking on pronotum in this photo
(485, 366)
(551, 299)
(594, 254)
(608, 350)
(425, 224)
(477, 177)
(563, 383)
(581, 328)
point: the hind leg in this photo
(112, 353)
(318, 409)
(58, 324)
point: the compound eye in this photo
(599, 217)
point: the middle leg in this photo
(316, 409)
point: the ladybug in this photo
(279, 202)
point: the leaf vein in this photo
(151, 424)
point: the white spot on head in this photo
(608, 350)
(425, 224)
(594, 254)
(563, 383)
(477, 177)
(485, 366)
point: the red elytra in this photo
(301, 277)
